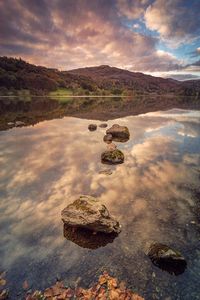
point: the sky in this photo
(158, 37)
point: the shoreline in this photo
(42, 108)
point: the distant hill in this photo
(17, 75)
(106, 77)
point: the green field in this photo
(61, 92)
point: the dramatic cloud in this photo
(132, 9)
(175, 20)
(78, 33)
(194, 68)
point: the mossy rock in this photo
(112, 157)
(89, 213)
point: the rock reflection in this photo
(167, 259)
(86, 238)
(120, 140)
(173, 268)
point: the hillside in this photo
(17, 75)
(110, 77)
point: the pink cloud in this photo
(71, 34)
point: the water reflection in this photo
(153, 195)
(87, 239)
(37, 109)
(172, 268)
(167, 259)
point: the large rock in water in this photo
(119, 133)
(112, 157)
(167, 258)
(87, 212)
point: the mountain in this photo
(107, 77)
(17, 75)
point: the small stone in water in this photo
(103, 125)
(92, 127)
(107, 138)
(111, 147)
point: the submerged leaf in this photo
(2, 281)
(4, 294)
(25, 285)
(107, 288)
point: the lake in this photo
(154, 194)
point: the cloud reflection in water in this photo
(152, 194)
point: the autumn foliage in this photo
(107, 288)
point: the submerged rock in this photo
(112, 157)
(103, 125)
(86, 238)
(167, 258)
(92, 127)
(108, 138)
(87, 212)
(119, 133)
(111, 147)
(106, 172)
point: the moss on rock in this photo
(112, 157)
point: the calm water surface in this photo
(154, 194)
